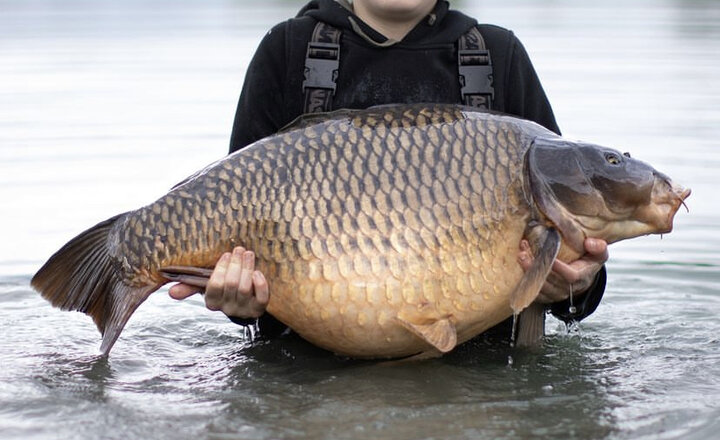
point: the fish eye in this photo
(612, 158)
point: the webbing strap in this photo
(322, 62)
(475, 70)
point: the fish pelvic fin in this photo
(81, 277)
(530, 326)
(439, 333)
(530, 284)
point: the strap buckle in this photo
(475, 72)
(321, 66)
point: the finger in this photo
(568, 272)
(215, 286)
(596, 250)
(256, 307)
(525, 257)
(233, 275)
(262, 290)
(574, 278)
(182, 291)
(245, 285)
(524, 246)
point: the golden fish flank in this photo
(388, 232)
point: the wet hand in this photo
(234, 287)
(575, 277)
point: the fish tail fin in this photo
(80, 276)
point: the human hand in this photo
(568, 278)
(234, 287)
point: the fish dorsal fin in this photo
(308, 119)
(530, 284)
(440, 333)
(196, 174)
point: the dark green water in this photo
(105, 105)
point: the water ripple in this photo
(114, 102)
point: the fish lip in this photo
(685, 194)
(680, 201)
(676, 197)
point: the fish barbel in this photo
(383, 233)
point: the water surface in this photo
(105, 105)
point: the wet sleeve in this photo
(259, 111)
(525, 96)
(242, 321)
(268, 326)
(583, 305)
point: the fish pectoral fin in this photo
(530, 326)
(530, 284)
(194, 276)
(440, 333)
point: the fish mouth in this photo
(680, 195)
(667, 198)
(655, 216)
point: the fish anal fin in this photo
(532, 281)
(194, 276)
(439, 333)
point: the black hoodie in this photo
(420, 68)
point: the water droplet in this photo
(514, 326)
(510, 361)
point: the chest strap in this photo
(475, 70)
(322, 61)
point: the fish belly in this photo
(350, 305)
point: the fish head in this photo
(587, 190)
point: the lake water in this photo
(105, 105)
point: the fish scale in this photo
(349, 229)
(382, 233)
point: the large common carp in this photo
(386, 232)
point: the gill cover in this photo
(582, 187)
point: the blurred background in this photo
(104, 105)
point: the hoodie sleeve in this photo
(258, 114)
(583, 305)
(524, 95)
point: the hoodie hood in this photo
(432, 29)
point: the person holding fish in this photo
(356, 55)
